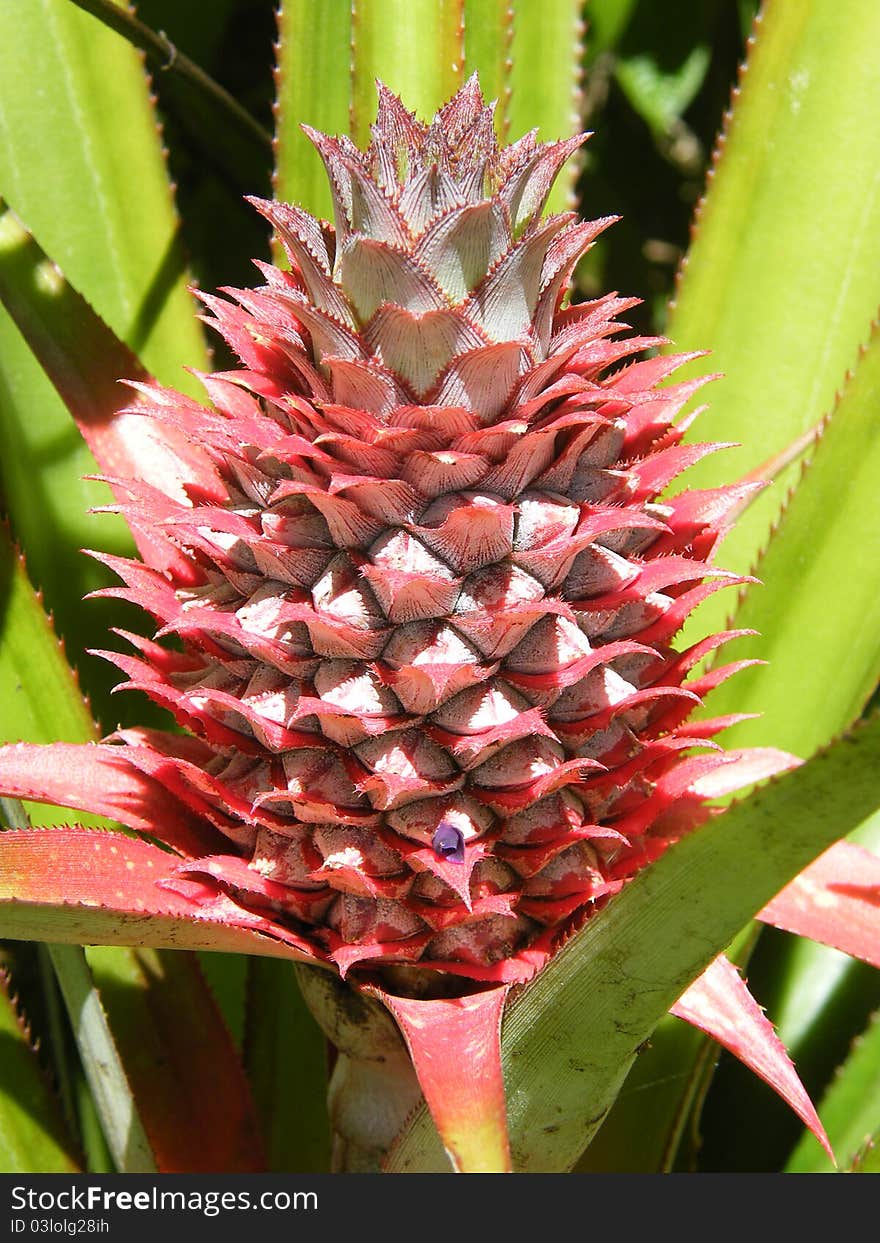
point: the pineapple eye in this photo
(448, 842)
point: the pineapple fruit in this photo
(426, 605)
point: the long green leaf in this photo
(38, 689)
(850, 1109)
(818, 614)
(488, 33)
(81, 162)
(818, 609)
(545, 79)
(313, 82)
(109, 1084)
(32, 1132)
(164, 55)
(573, 1035)
(783, 277)
(414, 46)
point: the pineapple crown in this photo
(440, 281)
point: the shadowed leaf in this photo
(32, 1131)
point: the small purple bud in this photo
(448, 842)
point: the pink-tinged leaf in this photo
(97, 778)
(91, 888)
(719, 1003)
(455, 1045)
(743, 768)
(85, 361)
(835, 900)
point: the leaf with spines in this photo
(780, 281)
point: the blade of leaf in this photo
(32, 658)
(110, 1088)
(313, 86)
(850, 1108)
(835, 900)
(97, 778)
(414, 48)
(781, 281)
(671, 1074)
(820, 644)
(571, 1037)
(81, 160)
(85, 362)
(32, 1131)
(488, 32)
(810, 977)
(545, 80)
(189, 1084)
(75, 886)
(162, 53)
(817, 678)
(286, 1058)
(719, 1003)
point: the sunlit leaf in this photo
(781, 281)
(545, 80)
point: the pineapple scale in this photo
(437, 600)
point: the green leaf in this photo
(81, 161)
(850, 1109)
(573, 1034)
(782, 279)
(164, 55)
(41, 699)
(109, 1084)
(488, 32)
(661, 1086)
(286, 1058)
(32, 1132)
(818, 610)
(414, 47)
(545, 80)
(666, 1084)
(314, 88)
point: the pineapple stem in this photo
(373, 1088)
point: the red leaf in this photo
(98, 778)
(455, 1045)
(719, 1003)
(836, 900)
(92, 888)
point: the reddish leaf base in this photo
(455, 1045)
